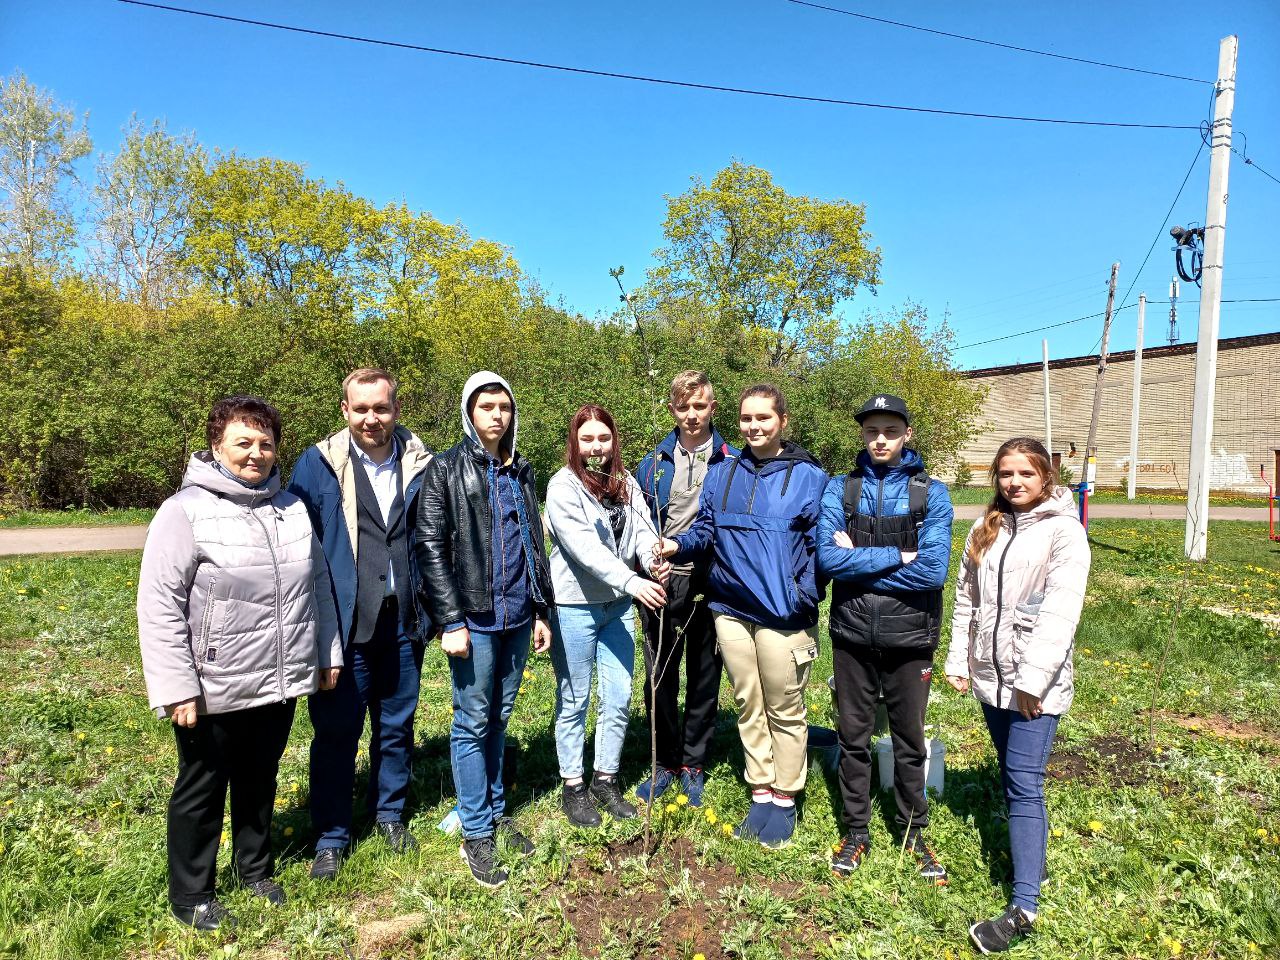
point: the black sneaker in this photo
(327, 861)
(510, 834)
(481, 855)
(397, 835)
(269, 890)
(926, 859)
(604, 788)
(996, 936)
(210, 915)
(577, 805)
(850, 852)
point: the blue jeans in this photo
(380, 678)
(600, 636)
(485, 684)
(1022, 747)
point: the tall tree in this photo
(40, 141)
(760, 256)
(143, 212)
(261, 231)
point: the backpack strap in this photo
(918, 497)
(852, 494)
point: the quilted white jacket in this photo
(1016, 612)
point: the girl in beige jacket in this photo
(1018, 601)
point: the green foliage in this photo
(964, 474)
(40, 141)
(759, 255)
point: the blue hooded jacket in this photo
(656, 470)
(884, 494)
(759, 520)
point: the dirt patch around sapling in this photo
(673, 905)
(1222, 727)
(1111, 759)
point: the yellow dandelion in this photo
(288, 831)
(699, 956)
(528, 674)
(1096, 826)
(108, 750)
(1175, 946)
(1262, 831)
(223, 838)
(22, 590)
(80, 736)
(671, 808)
(711, 816)
(62, 606)
(1057, 831)
(682, 800)
(726, 830)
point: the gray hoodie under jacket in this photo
(588, 565)
(235, 607)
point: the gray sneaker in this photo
(608, 797)
(481, 855)
(998, 935)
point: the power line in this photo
(686, 84)
(1095, 316)
(1259, 169)
(993, 43)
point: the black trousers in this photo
(905, 676)
(240, 750)
(688, 634)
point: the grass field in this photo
(971, 495)
(1153, 855)
(75, 517)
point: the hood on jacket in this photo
(911, 463)
(203, 472)
(790, 454)
(667, 445)
(1060, 504)
(336, 451)
(479, 379)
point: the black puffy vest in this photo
(896, 620)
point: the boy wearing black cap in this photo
(884, 539)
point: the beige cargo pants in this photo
(769, 670)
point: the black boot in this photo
(604, 788)
(577, 805)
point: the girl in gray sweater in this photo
(600, 533)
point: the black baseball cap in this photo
(884, 403)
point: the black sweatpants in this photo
(905, 676)
(688, 634)
(242, 750)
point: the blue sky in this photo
(1006, 225)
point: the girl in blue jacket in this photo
(758, 517)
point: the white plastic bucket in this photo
(934, 764)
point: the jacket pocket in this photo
(206, 624)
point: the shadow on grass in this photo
(976, 793)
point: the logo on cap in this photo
(881, 402)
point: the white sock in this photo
(782, 800)
(1029, 914)
(573, 783)
(761, 796)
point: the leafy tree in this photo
(262, 232)
(761, 256)
(40, 141)
(143, 212)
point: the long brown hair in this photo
(609, 480)
(984, 535)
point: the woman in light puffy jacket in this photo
(1018, 602)
(236, 620)
(601, 534)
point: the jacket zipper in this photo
(995, 631)
(875, 538)
(275, 568)
(206, 622)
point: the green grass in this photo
(75, 517)
(1145, 862)
(972, 495)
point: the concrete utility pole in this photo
(1137, 400)
(1215, 229)
(1048, 413)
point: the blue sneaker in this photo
(653, 787)
(777, 830)
(693, 781)
(749, 828)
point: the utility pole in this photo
(1048, 413)
(1215, 229)
(1137, 400)
(1090, 453)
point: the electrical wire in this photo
(661, 81)
(993, 43)
(1095, 316)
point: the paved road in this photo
(93, 539)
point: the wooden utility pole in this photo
(1137, 400)
(1089, 450)
(1215, 229)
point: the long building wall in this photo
(1246, 428)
